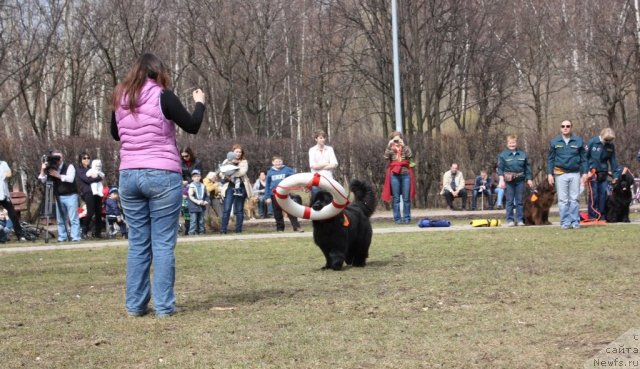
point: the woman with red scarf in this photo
(399, 181)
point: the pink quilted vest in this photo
(148, 139)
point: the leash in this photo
(597, 220)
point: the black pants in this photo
(6, 203)
(449, 197)
(277, 214)
(94, 210)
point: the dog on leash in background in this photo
(346, 237)
(538, 204)
(619, 201)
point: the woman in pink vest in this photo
(145, 115)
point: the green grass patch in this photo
(534, 297)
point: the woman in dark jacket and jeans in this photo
(93, 202)
(189, 163)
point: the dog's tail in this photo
(364, 196)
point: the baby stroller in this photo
(114, 216)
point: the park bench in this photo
(468, 186)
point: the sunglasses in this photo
(563, 126)
(85, 158)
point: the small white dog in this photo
(94, 172)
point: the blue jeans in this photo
(514, 194)
(196, 223)
(151, 200)
(597, 203)
(235, 202)
(499, 196)
(262, 206)
(400, 186)
(6, 229)
(568, 189)
(69, 205)
(474, 199)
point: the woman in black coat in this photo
(189, 163)
(93, 202)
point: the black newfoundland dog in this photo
(346, 237)
(618, 202)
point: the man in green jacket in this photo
(567, 168)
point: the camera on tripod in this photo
(52, 160)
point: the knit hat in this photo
(195, 172)
(112, 190)
(231, 156)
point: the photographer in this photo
(5, 199)
(63, 177)
(399, 180)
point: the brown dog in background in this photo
(251, 208)
(537, 205)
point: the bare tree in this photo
(610, 50)
(537, 57)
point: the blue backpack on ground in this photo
(426, 222)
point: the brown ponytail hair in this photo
(147, 66)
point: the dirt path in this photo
(378, 216)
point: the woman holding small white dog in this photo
(89, 178)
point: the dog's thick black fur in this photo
(345, 240)
(618, 202)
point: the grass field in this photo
(535, 297)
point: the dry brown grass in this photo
(503, 298)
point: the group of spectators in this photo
(230, 186)
(570, 165)
(66, 183)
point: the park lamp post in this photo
(396, 65)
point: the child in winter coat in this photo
(96, 170)
(198, 201)
(275, 175)
(114, 212)
(5, 226)
(184, 209)
(228, 169)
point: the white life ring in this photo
(308, 180)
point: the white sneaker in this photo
(511, 224)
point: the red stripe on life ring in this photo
(281, 195)
(307, 213)
(339, 206)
